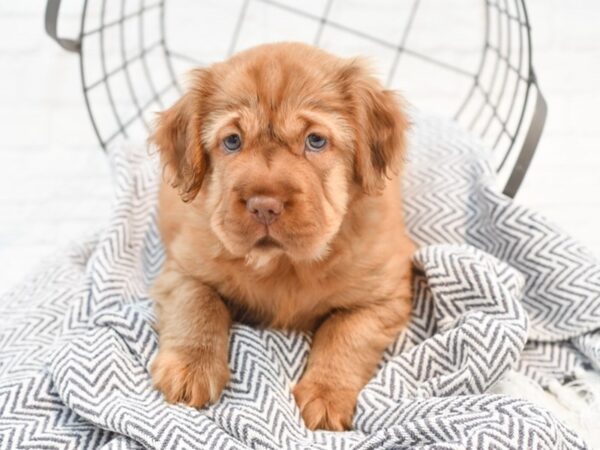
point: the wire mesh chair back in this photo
(472, 63)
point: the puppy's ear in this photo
(177, 136)
(381, 127)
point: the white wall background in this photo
(54, 180)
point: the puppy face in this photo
(275, 144)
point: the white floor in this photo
(54, 182)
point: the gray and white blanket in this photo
(498, 289)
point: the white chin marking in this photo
(261, 258)
(322, 253)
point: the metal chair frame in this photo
(483, 96)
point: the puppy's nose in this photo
(264, 209)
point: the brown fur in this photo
(342, 266)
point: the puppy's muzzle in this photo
(264, 209)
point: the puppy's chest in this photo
(277, 300)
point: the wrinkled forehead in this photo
(278, 100)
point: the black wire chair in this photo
(479, 54)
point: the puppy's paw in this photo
(191, 376)
(325, 405)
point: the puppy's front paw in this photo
(325, 404)
(191, 376)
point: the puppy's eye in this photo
(315, 142)
(232, 143)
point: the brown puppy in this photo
(282, 207)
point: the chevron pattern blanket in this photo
(497, 288)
